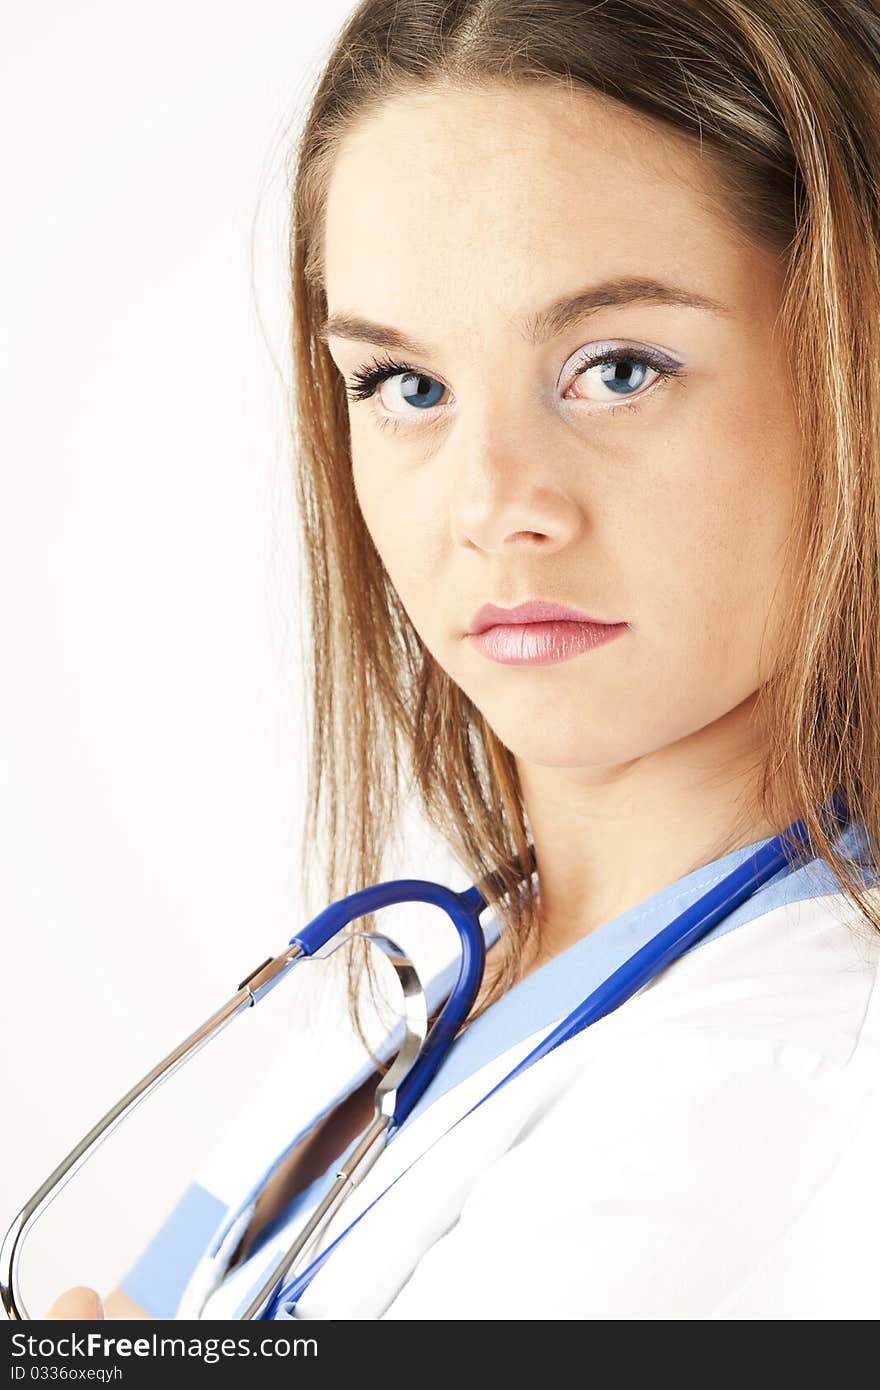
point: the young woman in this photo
(587, 318)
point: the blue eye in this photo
(415, 389)
(621, 370)
(621, 377)
(419, 390)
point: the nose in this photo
(509, 491)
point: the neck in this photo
(606, 838)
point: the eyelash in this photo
(365, 380)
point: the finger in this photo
(79, 1305)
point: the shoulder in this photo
(687, 1142)
(801, 976)
(788, 1002)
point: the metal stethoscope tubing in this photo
(399, 1090)
(421, 1051)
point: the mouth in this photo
(534, 611)
(542, 643)
(538, 633)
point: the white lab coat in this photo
(709, 1150)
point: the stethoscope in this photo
(422, 1049)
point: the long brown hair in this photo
(784, 96)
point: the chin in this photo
(549, 740)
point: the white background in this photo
(152, 745)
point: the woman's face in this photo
(503, 458)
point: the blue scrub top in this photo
(157, 1279)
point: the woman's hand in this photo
(85, 1305)
(79, 1305)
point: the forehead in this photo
(463, 202)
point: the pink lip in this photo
(538, 633)
(535, 611)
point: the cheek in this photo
(718, 523)
(403, 513)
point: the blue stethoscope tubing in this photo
(646, 963)
(464, 909)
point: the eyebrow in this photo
(544, 323)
